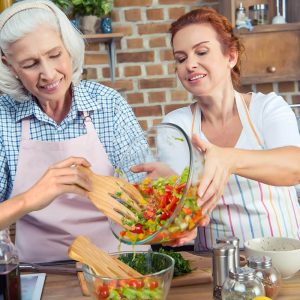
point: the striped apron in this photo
(249, 209)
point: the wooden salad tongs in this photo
(113, 196)
(83, 250)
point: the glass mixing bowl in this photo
(169, 210)
(154, 283)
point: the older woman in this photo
(233, 129)
(47, 115)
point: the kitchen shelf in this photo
(109, 39)
(272, 51)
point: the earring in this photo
(17, 77)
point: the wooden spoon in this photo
(84, 251)
(113, 196)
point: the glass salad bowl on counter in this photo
(156, 271)
(168, 210)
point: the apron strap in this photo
(246, 120)
(244, 117)
(26, 128)
(87, 121)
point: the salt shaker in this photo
(223, 262)
(242, 284)
(269, 276)
(10, 283)
(232, 240)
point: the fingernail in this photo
(200, 193)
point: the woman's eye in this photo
(29, 66)
(202, 52)
(179, 59)
(55, 55)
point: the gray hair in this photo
(24, 17)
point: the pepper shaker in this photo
(269, 276)
(223, 262)
(232, 240)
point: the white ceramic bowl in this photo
(285, 253)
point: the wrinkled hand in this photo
(217, 169)
(153, 169)
(60, 178)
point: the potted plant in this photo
(89, 11)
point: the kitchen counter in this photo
(63, 287)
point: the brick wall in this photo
(145, 69)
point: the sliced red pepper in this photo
(171, 207)
(164, 201)
(169, 188)
(180, 187)
(138, 228)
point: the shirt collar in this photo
(82, 101)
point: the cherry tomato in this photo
(136, 283)
(103, 292)
(152, 284)
(138, 228)
(164, 216)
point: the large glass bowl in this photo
(157, 272)
(173, 187)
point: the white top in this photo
(271, 115)
(249, 209)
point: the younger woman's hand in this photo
(217, 169)
(63, 177)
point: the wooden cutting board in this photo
(201, 270)
(201, 273)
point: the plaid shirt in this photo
(112, 117)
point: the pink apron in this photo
(45, 235)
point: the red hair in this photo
(221, 25)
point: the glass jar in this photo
(269, 276)
(258, 14)
(10, 283)
(170, 210)
(242, 285)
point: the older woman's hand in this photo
(60, 178)
(153, 169)
(217, 169)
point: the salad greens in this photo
(182, 266)
(162, 196)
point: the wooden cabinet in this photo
(272, 52)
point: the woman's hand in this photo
(63, 177)
(191, 235)
(153, 169)
(217, 169)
